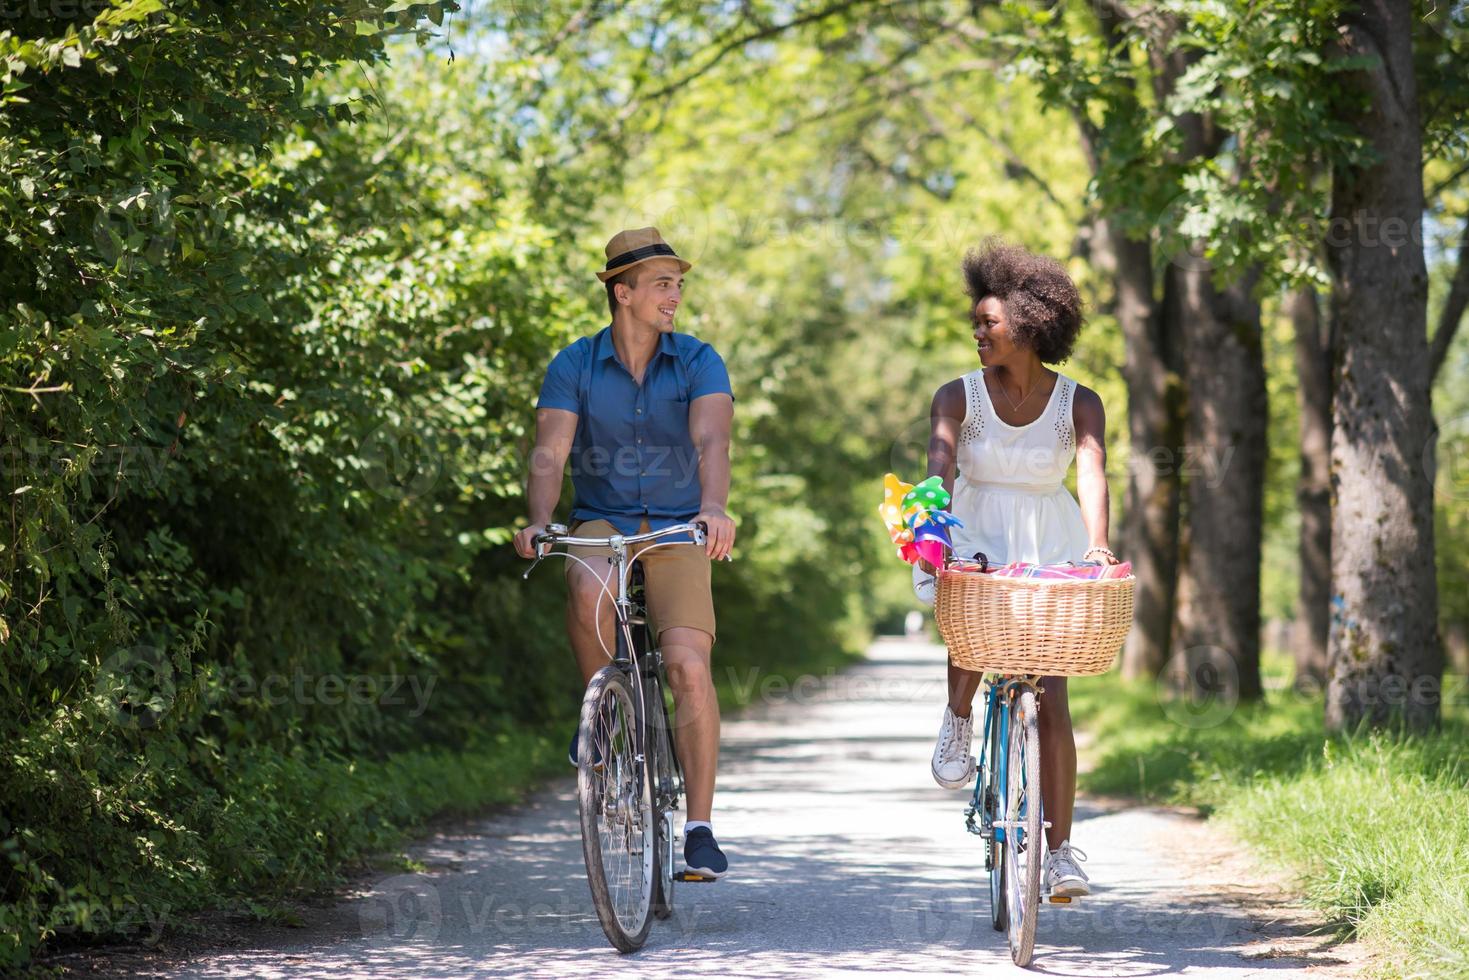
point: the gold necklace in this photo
(1014, 405)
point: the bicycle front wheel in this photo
(989, 799)
(615, 797)
(1024, 847)
(662, 767)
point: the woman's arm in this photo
(945, 417)
(1090, 421)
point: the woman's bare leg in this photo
(962, 686)
(1058, 760)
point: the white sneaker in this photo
(952, 765)
(1064, 876)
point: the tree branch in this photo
(721, 50)
(881, 98)
(1446, 183)
(1014, 166)
(1452, 313)
(901, 176)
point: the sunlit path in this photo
(847, 859)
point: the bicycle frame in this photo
(626, 654)
(1002, 691)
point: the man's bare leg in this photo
(686, 654)
(584, 615)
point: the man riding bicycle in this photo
(644, 415)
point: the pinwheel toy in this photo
(916, 520)
(931, 538)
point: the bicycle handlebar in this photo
(696, 528)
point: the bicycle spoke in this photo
(616, 812)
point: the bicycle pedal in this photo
(692, 876)
(1059, 899)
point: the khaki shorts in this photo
(675, 576)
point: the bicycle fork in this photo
(1000, 697)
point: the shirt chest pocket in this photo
(668, 409)
(669, 425)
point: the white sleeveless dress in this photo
(1008, 490)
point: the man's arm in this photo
(555, 431)
(710, 419)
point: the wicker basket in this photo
(1033, 626)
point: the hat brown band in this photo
(638, 254)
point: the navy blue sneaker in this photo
(702, 854)
(571, 753)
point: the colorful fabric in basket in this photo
(1067, 571)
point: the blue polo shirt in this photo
(633, 458)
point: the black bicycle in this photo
(628, 777)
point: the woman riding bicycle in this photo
(1011, 429)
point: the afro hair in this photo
(1042, 303)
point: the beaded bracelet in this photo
(1106, 551)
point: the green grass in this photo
(1375, 826)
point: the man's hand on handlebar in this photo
(525, 540)
(720, 537)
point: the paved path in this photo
(847, 859)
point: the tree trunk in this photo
(1219, 592)
(1149, 536)
(1384, 653)
(1313, 490)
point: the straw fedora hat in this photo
(630, 248)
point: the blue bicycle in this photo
(1006, 808)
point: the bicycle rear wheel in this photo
(1024, 846)
(616, 804)
(989, 799)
